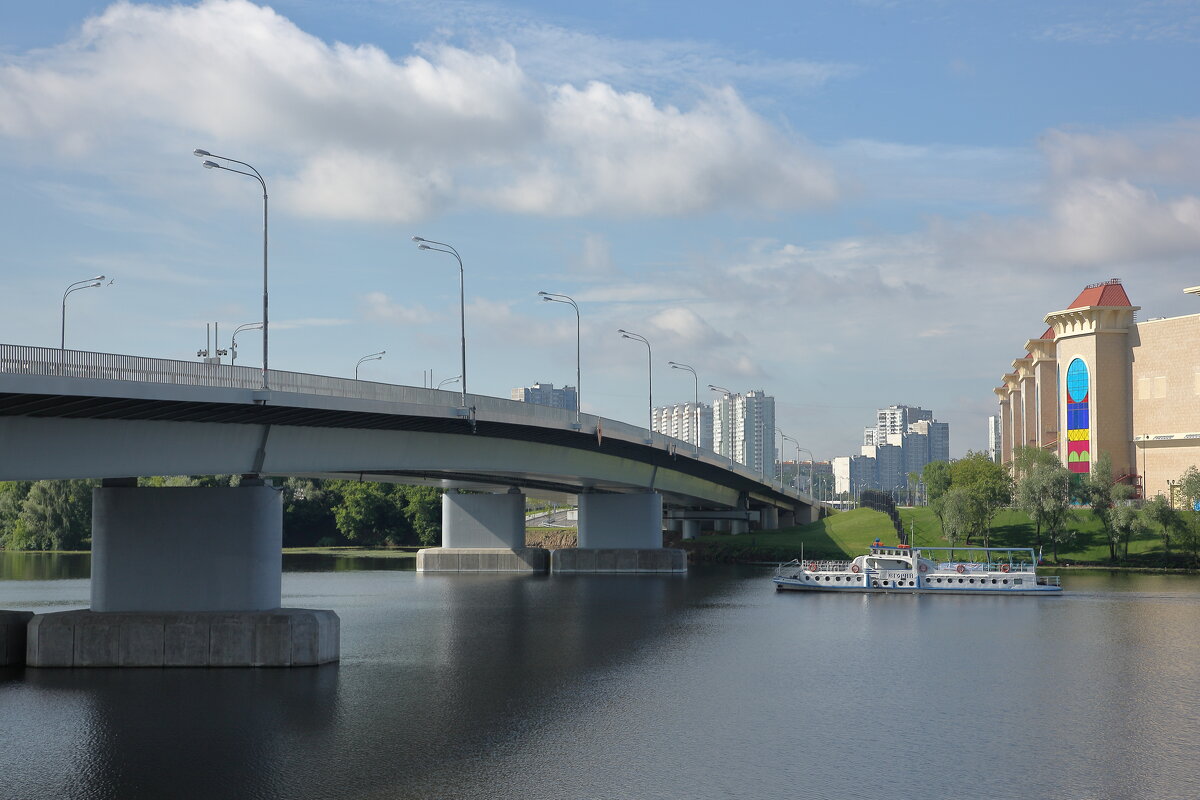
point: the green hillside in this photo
(847, 534)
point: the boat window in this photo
(1006, 580)
(1016, 580)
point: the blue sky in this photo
(847, 204)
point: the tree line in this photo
(57, 515)
(965, 496)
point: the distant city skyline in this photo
(833, 202)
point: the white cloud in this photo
(378, 307)
(356, 134)
(1110, 199)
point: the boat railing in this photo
(984, 566)
(1049, 580)
(813, 565)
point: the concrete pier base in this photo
(12, 637)
(185, 577)
(283, 637)
(617, 560)
(483, 559)
(483, 533)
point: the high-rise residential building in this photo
(903, 440)
(894, 419)
(994, 438)
(744, 429)
(544, 394)
(852, 474)
(686, 422)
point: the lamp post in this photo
(249, 326)
(371, 357)
(783, 437)
(551, 297)
(637, 337)
(442, 247)
(727, 393)
(696, 381)
(447, 380)
(253, 173)
(90, 283)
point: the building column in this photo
(185, 576)
(619, 533)
(482, 533)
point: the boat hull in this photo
(793, 585)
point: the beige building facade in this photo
(1097, 381)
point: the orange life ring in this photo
(855, 568)
(961, 569)
(812, 566)
(1004, 567)
(924, 568)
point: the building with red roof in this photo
(1098, 381)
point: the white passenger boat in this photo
(927, 570)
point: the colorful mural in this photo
(1079, 445)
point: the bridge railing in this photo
(53, 362)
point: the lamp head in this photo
(211, 165)
(201, 153)
(1192, 290)
(542, 294)
(423, 247)
(98, 278)
(622, 331)
(93, 285)
(417, 239)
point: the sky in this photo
(846, 204)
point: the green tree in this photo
(424, 513)
(371, 514)
(1026, 457)
(1127, 523)
(936, 476)
(1158, 510)
(1044, 493)
(308, 511)
(1103, 494)
(990, 489)
(957, 516)
(56, 515)
(12, 497)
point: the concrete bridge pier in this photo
(691, 528)
(483, 533)
(769, 519)
(185, 577)
(619, 533)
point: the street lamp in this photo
(696, 381)
(448, 380)
(727, 393)
(371, 357)
(442, 247)
(253, 173)
(649, 371)
(249, 326)
(551, 297)
(90, 283)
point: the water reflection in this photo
(44, 566)
(709, 685)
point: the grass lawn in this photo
(847, 534)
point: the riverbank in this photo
(844, 535)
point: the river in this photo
(710, 685)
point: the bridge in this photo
(74, 414)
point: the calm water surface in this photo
(705, 686)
